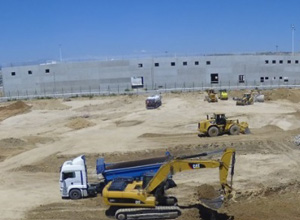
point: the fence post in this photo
(18, 94)
(108, 90)
(90, 90)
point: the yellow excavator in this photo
(146, 199)
(211, 96)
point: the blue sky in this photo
(32, 30)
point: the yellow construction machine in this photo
(246, 100)
(218, 124)
(146, 199)
(223, 94)
(211, 96)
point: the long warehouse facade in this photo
(152, 73)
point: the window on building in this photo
(214, 78)
(289, 61)
(274, 77)
(266, 78)
(285, 79)
(196, 63)
(47, 70)
(156, 64)
(296, 61)
(13, 73)
(29, 72)
(273, 61)
(172, 63)
(280, 77)
(266, 61)
(262, 79)
(184, 63)
(140, 65)
(207, 62)
(241, 78)
(281, 61)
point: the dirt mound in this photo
(206, 191)
(11, 142)
(51, 104)
(128, 123)
(79, 123)
(13, 109)
(292, 95)
(12, 146)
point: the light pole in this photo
(293, 33)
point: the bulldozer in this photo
(211, 96)
(246, 100)
(218, 124)
(146, 198)
(223, 94)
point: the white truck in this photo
(74, 181)
(153, 101)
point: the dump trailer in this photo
(153, 102)
(74, 180)
(219, 124)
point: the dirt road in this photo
(36, 137)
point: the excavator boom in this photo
(149, 201)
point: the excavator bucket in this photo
(214, 204)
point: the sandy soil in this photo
(36, 137)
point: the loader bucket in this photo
(244, 128)
(240, 102)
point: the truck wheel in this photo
(234, 130)
(213, 132)
(75, 194)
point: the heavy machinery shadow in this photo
(207, 213)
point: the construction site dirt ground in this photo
(37, 136)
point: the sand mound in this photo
(51, 104)
(79, 123)
(13, 109)
(128, 123)
(206, 191)
(11, 142)
(292, 95)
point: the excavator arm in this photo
(178, 165)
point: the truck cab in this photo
(74, 181)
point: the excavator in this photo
(246, 100)
(146, 198)
(211, 96)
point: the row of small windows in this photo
(184, 63)
(30, 72)
(280, 61)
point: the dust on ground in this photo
(267, 161)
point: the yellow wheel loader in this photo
(246, 100)
(211, 96)
(146, 199)
(218, 124)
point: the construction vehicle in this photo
(74, 180)
(211, 96)
(218, 124)
(146, 199)
(153, 101)
(246, 100)
(223, 94)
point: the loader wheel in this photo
(75, 194)
(234, 130)
(213, 132)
